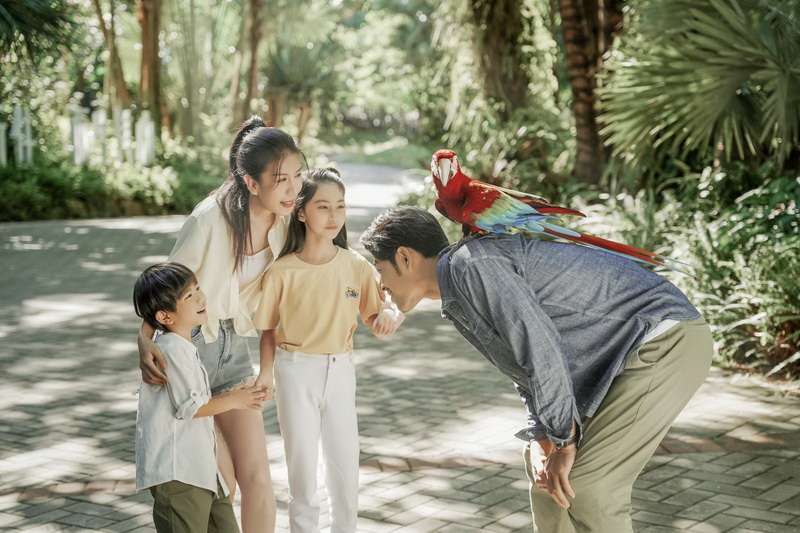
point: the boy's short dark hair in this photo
(412, 227)
(158, 289)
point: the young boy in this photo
(175, 443)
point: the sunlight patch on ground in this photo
(27, 242)
(167, 224)
(100, 267)
(60, 308)
(148, 260)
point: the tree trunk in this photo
(119, 93)
(276, 107)
(303, 119)
(236, 106)
(189, 61)
(255, 41)
(500, 26)
(148, 13)
(552, 25)
(582, 57)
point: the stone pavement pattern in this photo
(436, 420)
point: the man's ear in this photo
(404, 257)
(162, 317)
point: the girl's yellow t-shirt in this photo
(314, 308)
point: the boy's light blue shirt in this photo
(558, 319)
(172, 445)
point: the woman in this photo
(229, 240)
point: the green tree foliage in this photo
(34, 27)
(706, 77)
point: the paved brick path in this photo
(436, 420)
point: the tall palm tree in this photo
(588, 28)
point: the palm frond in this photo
(700, 76)
(34, 27)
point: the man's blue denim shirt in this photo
(558, 319)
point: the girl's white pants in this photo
(316, 397)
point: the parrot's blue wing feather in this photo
(509, 215)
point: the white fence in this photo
(91, 137)
(20, 135)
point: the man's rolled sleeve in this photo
(502, 296)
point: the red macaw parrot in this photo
(484, 208)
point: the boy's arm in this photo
(186, 395)
(216, 405)
(245, 398)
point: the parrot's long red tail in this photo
(618, 248)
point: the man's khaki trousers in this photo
(657, 383)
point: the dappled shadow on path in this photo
(436, 420)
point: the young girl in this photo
(310, 302)
(229, 240)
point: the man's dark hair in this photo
(158, 289)
(412, 227)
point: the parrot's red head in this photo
(444, 168)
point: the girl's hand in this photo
(266, 382)
(251, 397)
(388, 320)
(152, 362)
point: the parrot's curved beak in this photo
(444, 170)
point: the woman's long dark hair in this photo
(296, 237)
(254, 148)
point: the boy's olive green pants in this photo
(182, 508)
(643, 401)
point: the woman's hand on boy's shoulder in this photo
(152, 362)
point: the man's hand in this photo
(539, 450)
(152, 362)
(558, 465)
